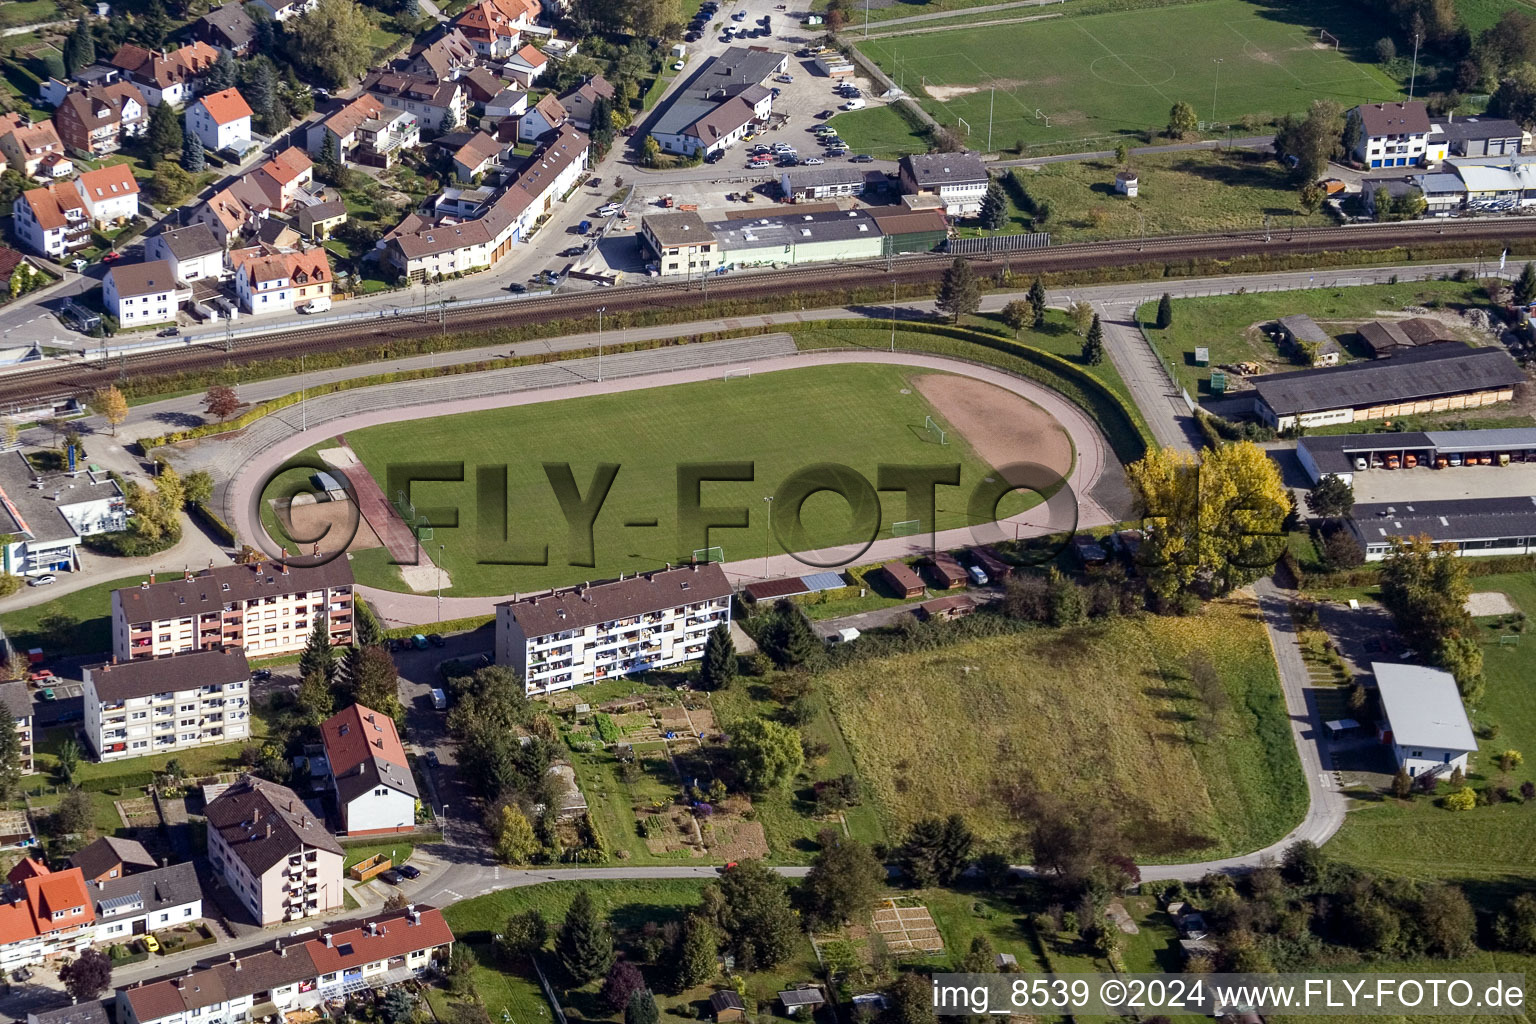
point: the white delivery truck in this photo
(439, 699)
(319, 305)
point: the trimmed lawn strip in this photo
(91, 606)
(398, 853)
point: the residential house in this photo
(555, 168)
(1425, 719)
(145, 706)
(436, 104)
(110, 857)
(317, 221)
(227, 212)
(228, 27)
(16, 700)
(193, 252)
(583, 634)
(720, 103)
(727, 1006)
(682, 243)
(49, 914)
(273, 852)
(1392, 134)
(146, 902)
(369, 773)
(33, 149)
(526, 65)
(273, 234)
(165, 77)
(1444, 193)
(51, 221)
(111, 195)
(482, 84)
(505, 104)
(959, 180)
(541, 119)
(338, 132)
(382, 139)
(475, 157)
(578, 103)
(283, 10)
(1301, 333)
(79, 1013)
(43, 525)
(284, 176)
(279, 282)
(221, 120)
(495, 27)
(445, 58)
(292, 975)
(263, 608)
(143, 294)
(94, 122)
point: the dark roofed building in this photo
(1482, 136)
(689, 122)
(89, 1012)
(959, 180)
(727, 1006)
(110, 857)
(567, 637)
(147, 900)
(1475, 526)
(1431, 379)
(258, 834)
(1388, 337)
(227, 27)
(945, 570)
(128, 703)
(902, 579)
(1299, 329)
(1392, 134)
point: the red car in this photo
(111, 257)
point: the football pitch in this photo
(1103, 75)
(858, 415)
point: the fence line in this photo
(1000, 243)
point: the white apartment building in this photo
(1393, 134)
(16, 700)
(111, 194)
(354, 956)
(143, 294)
(220, 119)
(46, 913)
(597, 631)
(279, 282)
(263, 609)
(44, 517)
(51, 220)
(958, 180)
(273, 852)
(152, 705)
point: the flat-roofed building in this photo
(1425, 721)
(1470, 526)
(584, 634)
(682, 243)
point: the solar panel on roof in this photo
(117, 904)
(823, 581)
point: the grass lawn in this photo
(1104, 75)
(856, 415)
(1103, 714)
(28, 12)
(92, 607)
(878, 131)
(1495, 846)
(1178, 193)
(398, 853)
(197, 762)
(1227, 324)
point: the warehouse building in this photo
(1344, 455)
(1475, 526)
(718, 106)
(905, 230)
(1434, 379)
(798, 238)
(826, 182)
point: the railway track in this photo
(79, 379)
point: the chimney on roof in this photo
(269, 830)
(327, 940)
(151, 575)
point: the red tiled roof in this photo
(379, 938)
(226, 107)
(50, 203)
(531, 56)
(356, 734)
(345, 121)
(108, 182)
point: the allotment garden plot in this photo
(1068, 78)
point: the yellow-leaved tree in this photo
(1220, 521)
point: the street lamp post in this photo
(1218, 61)
(893, 316)
(600, 311)
(440, 583)
(767, 533)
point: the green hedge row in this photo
(211, 519)
(446, 626)
(128, 780)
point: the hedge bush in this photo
(126, 781)
(211, 519)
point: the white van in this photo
(978, 577)
(319, 305)
(854, 104)
(439, 699)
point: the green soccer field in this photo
(1105, 75)
(860, 416)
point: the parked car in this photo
(783, 78)
(715, 157)
(42, 581)
(419, 642)
(739, 16)
(678, 65)
(432, 758)
(977, 575)
(862, 158)
(824, 114)
(47, 694)
(391, 877)
(169, 332)
(595, 183)
(812, 161)
(261, 675)
(409, 872)
(691, 37)
(151, 943)
(517, 288)
(436, 640)
(111, 257)
(584, 227)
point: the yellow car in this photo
(749, 137)
(151, 943)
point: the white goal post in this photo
(704, 556)
(934, 430)
(1327, 38)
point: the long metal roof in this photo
(1423, 707)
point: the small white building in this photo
(45, 517)
(193, 252)
(540, 119)
(146, 902)
(1127, 183)
(52, 220)
(220, 119)
(279, 282)
(1393, 134)
(526, 65)
(1426, 723)
(959, 180)
(141, 294)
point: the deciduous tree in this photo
(1331, 497)
(1313, 140)
(624, 980)
(767, 755)
(697, 950)
(220, 401)
(10, 759)
(1181, 120)
(844, 880)
(110, 405)
(170, 184)
(750, 904)
(331, 41)
(524, 934)
(515, 841)
(87, 976)
(1018, 314)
